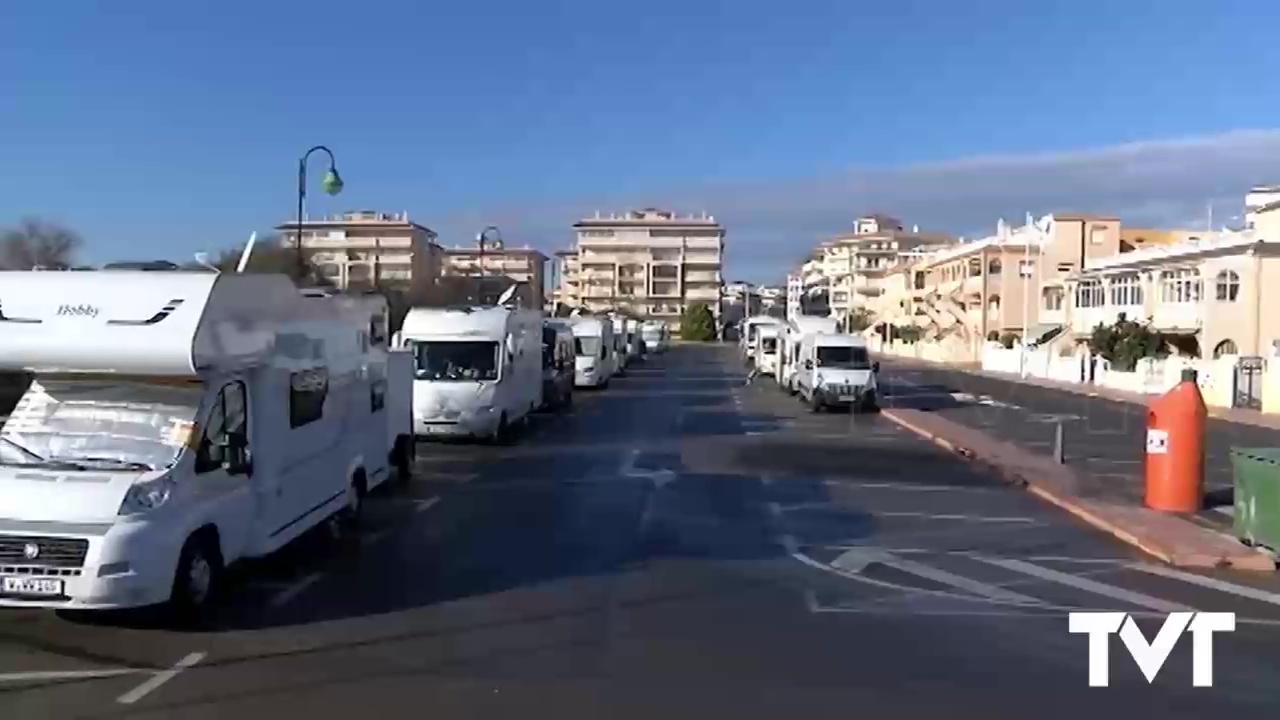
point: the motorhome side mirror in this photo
(808, 364)
(875, 366)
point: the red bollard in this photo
(1175, 448)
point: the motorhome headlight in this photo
(147, 495)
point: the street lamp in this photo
(331, 183)
(490, 236)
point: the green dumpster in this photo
(1256, 472)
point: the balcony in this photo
(1177, 316)
(702, 276)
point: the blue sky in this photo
(160, 128)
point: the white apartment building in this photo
(649, 261)
(363, 248)
(854, 265)
(523, 265)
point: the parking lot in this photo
(679, 543)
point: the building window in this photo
(1090, 294)
(994, 267)
(1180, 286)
(975, 267)
(1053, 297)
(1228, 286)
(1097, 234)
(1026, 268)
(1226, 347)
(1126, 290)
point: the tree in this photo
(698, 324)
(37, 243)
(1125, 342)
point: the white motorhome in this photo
(179, 422)
(655, 335)
(477, 369)
(623, 348)
(593, 350)
(768, 349)
(789, 353)
(750, 328)
(837, 371)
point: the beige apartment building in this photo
(1210, 294)
(364, 247)
(1015, 279)
(855, 266)
(651, 262)
(524, 266)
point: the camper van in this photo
(796, 329)
(558, 364)
(768, 347)
(750, 328)
(621, 344)
(477, 369)
(835, 371)
(593, 350)
(178, 422)
(655, 336)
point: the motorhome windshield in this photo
(651, 333)
(586, 346)
(455, 360)
(844, 357)
(94, 424)
(769, 345)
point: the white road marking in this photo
(774, 508)
(159, 679)
(789, 544)
(970, 553)
(962, 518)
(1208, 582)
(289, 593)
(855, 560)
(50, 675)
(1083, 583)
(425, 505)
(909, 487)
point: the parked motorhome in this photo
(768, 347)
(477, 369)
(558, 364)
(796, 329)
(655, 336)
(750, 327)
(621, 344)
(179, 422)
(836, 371)
(594, 362)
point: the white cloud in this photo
(1167, 183)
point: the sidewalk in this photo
(1169, 538)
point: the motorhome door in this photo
(223, 466)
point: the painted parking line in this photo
(159, 679)
(290, 592)
(56, 675)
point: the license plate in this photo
(847, 398)
(30, 586)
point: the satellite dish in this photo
(506, 295)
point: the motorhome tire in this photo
(568, 401)
(197, 579)
(502, 435)
(354, 512)
(403, 464)
(815, 403)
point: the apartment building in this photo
(524, 266)
(364, 248)
(1014, 280)
(651, 262)
(854, 265)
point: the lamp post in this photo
(490, 236)
(331, 183)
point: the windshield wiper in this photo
(76, 459)
(22, 449)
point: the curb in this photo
(1081, 509)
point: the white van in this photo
(796, 329)
(768, 340)
(593, 351)
(477, 369)
(621, 344)
(179, 422)
(836, 371)
(655, 335)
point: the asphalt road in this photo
(1106, 439)
(679, 546)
